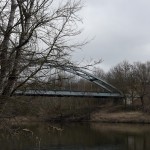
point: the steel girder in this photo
(88, 76)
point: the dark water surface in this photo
(76, 136)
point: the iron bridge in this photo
(111, 91)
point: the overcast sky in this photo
(121, 29)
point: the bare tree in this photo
(98, 72)
(142, 77)
(121, 77)
(34, 35)
(133, 80)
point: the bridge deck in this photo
(67, 94)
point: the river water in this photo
(78, 136)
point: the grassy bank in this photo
(121, 117)
(120, 114)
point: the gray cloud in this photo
(121, 29)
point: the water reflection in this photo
(94, 136)
(134, 137)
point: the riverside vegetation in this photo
(56, 109)
(132, 79)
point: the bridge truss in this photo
(111, 91)
(88, 76)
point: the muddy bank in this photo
(33, 119)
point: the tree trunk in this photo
(13, 76)
(4, 46)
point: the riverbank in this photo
(133, 117)
(45, 109)
(127, 117)
(116, 114)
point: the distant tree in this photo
(98, 72)
(142, 76)
(131, 84)
(133, 80)
(121, 77)
(34, 35)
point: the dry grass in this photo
(121, 117)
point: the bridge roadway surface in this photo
(68, 94)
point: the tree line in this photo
(132, 79)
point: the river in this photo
(78, 136)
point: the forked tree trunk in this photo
(29, 27)
(25, 36)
